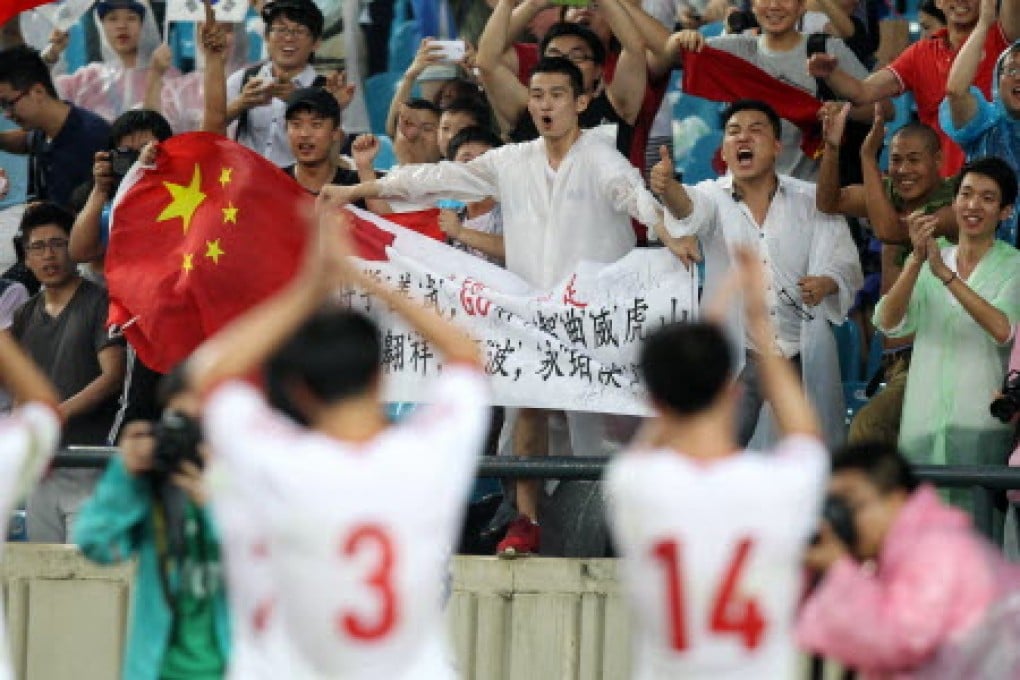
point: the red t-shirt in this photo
(923, 69)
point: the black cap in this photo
(104, 7)
(314, 99)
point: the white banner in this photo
(573, 347)
(232, 11)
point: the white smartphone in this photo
(453, 50)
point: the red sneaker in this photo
(522, 538)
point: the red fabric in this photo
(425, 222)
(370, 240)
(923, 69)
(10, 8)
(175, 310)
(722, 77)
(527, 57)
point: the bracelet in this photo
(950, 279)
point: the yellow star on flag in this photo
(225, 176)
(229, 213)
(213, 250)
(188, 262)
(186, 199)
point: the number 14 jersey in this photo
(712, 556)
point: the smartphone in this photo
(453, 50)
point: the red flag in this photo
(10, 8)
(723, 77)
(212, 230)
(425, 222)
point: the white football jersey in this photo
(28, 439)
(359, 535)
(712, 555)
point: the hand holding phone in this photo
(452, 50)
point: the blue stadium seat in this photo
(874, 355)
(848, 344)
(853, 394)
(379, 91)
(386, 158)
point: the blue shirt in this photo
(57, 166)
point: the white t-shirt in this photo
(28, 439)
(712, 556)
(358, 535)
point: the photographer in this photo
(938, 597)
(130, 132)
(150, 503)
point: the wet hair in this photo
(916, 129)
(752, 105)
(21, 67)
(564, 66)
(685, 366)
(929, 8)
(423, 105)
(139, 120)
(473, 108)
(472, 135)
(563, 28)
(336, 354)
(882, 464)
(304, 12)
(44, 214)
(996, 170)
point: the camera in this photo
(1006, 406)
(177, 439)
(840, 517)
(121, 161)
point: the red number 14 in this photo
(732, 613)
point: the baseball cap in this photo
(104, 7)
(314, 99)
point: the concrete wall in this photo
(533, 619)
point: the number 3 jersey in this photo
(357, 535)
(712, 555)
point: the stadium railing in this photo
(986, 482)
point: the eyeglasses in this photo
(285, 32)
(576, 55)
(39, 247)
(799, 309)
(1011, 71)
(8, 105)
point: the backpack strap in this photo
(242, 119)
(816, 45)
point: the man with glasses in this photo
(59, 138)
(63, 329)
(256, 96)
(813, 271)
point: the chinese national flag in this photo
(10, 8)
(425, 222)
(209, 232)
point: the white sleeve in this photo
(463, 181)
(234, 85)
(834, 254)
(702, 217)
(28, 439)
(805, 462)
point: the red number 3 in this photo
(380, 580)
(731, 612)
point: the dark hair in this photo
(685, 366)
(995, 169)
(313, 100)
(422, 105)
(303, 12)
(464, 89)
(563, 28)
(172, 384)
(472, 135)
(883, 465)
(472, 107)
(336, 354)
(928, 7)
(752, 105)
(139, 120)
(564, 66)
(43, 214)
(916, 129)
(21, 67)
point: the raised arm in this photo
(839, 20)
(85, 244)
(22, 377)
(508, 97)
(427, 55)
(881, 84)
(627, 90)
(213, 43)
(892, 308)
(829, 196)
(655, 37)
(962, 105)
(364, 151)
(1009, 17)
(663, 183)
(159, 64)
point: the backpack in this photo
(854, 133)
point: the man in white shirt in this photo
(566, 197)
(812, 268)
(711, 535)
(360, 515)
(28, 439)
(257, 96)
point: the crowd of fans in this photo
(908, 227)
